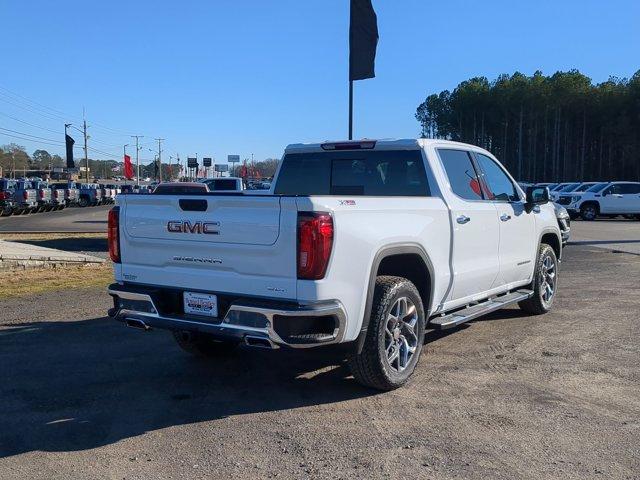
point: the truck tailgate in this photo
(239, 244)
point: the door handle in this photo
(462, 219)
(505, 218)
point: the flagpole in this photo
(350, 109)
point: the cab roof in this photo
(378, 144)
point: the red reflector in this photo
(315, 240)
(25, 194)
(4, 195)
(113, 234)
(361, 145)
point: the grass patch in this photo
(20, 283)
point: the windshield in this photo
(584, 187)
(597, 187)
(570, 188)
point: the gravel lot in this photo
(507, 397)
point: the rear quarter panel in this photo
(362, 227)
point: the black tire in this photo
(589, 211)
(6, 212)
(83, 202)
(372, 366)
(203, 345)
(541, 301)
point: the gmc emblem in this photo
(179, 226)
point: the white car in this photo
(606, 198)
(363, 243)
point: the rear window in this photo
(355, 173)
(223, 184)
(172, 189)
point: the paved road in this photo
(619, 235)
(86, 220)
(506, 397)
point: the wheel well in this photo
(553, 240)
(591, 202)
(412, 267)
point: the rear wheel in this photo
(83, 202)
(394, 338)
(203, 345)
(544, 284)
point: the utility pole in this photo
(137, 137)
(86, 157)
(160, 157)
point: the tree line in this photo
(544, 128)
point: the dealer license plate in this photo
(201, 304)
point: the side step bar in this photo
(479, 309)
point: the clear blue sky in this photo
(249, 76)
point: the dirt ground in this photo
(506, 397)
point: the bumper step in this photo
(479, 309)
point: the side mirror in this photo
(537, 196)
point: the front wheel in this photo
(589, 212)
(394, 337)
(544, 284)
(203, 345)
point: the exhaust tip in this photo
(135, 323)
(258, 342)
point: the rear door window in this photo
(461, 173)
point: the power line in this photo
(34, 136)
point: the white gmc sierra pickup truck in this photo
(366, 243)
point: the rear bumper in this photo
(293, 325)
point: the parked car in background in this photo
(564, 222)
(26, 197)
(58, 196)
(561, 188)
(43, 195)
(612, 198)
(224, 184)
(71, 192)
(7, 193)
(89, 194)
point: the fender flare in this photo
(558, 235)
(384, 252)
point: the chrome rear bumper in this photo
(244, 322)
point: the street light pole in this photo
(137, 137)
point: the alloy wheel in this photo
(548, 279)
(401, 336)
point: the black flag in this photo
(363, 40)
(69, 143)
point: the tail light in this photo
(41, 194)
(315, 240)
(4, 196)
(55, 193)
(25, 195)
(113, 225)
